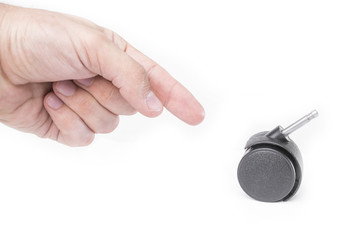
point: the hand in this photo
(65, 78)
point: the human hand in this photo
(65, 78)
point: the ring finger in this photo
(96, 117)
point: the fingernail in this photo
(153, 103)
(54, 102)
(66, 88)
(86, 82)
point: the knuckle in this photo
(141, 76)
(108, 126)
(77, 140)
(93, 40)
(84, 139)
(109, 97)
(136, 78)
(87, 140)
(116, 39)
(131, 111)
(85, 106)
(127, 110)
(139, 72)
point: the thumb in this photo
(130, 77)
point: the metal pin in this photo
(301, 122)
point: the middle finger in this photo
(96, 117)
(107, 95)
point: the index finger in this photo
(174, 96)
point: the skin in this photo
(65, 78)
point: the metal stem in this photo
(301, 122)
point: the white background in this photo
(253, 65)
